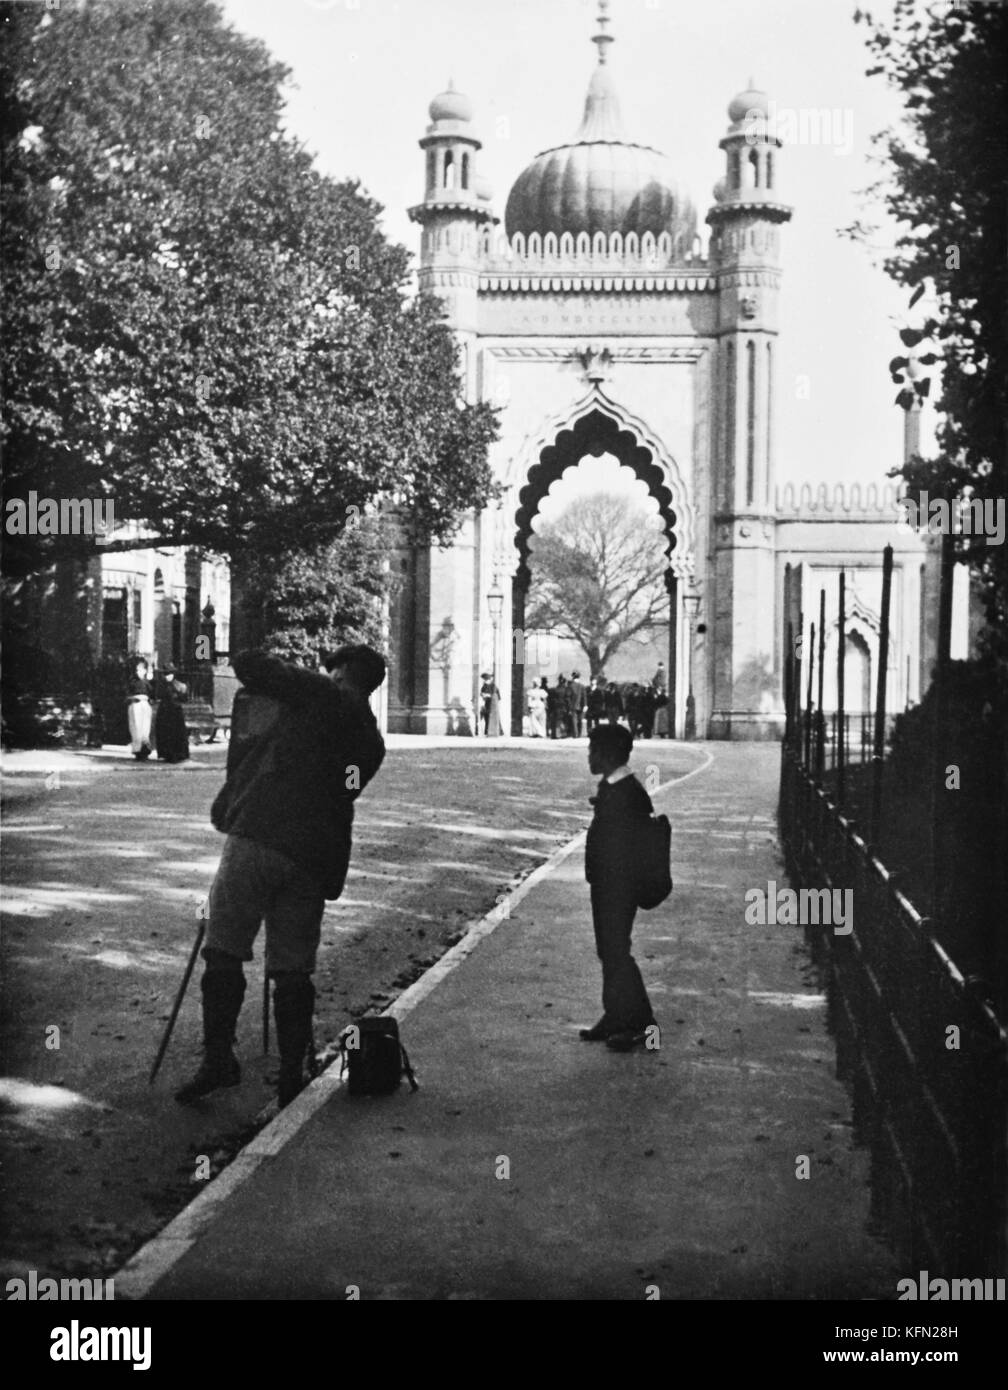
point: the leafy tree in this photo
(945, 183)
(199, 325)
(598, 575)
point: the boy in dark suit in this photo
(622, 806)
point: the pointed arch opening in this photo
(594, 434)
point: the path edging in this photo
(148, 1265)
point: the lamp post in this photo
(495, 603)
(691, 602)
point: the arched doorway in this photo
(594, 433)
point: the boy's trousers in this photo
(625, 1002)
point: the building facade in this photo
(155, 603)
(603, 319)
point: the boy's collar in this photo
(618, 774)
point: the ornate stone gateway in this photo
(600, 321)
(598, 427)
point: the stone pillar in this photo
(747, 699)
(446, 647)
(446, 601)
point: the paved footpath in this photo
(533, 1165)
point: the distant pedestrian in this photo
(138, 711)
(613, 703)
(287, 811)
(659, 680)
(622, 809)
(648, 706)
(490, 706)
(554, 702)
(575, 704)
(537, 709)
(171, 736)
(595, 703)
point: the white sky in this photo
(603, 474)
(365, 71)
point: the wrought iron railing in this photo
(923, 1052)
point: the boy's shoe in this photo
(625, 1042)
(597, 1033)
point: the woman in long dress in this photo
(537, 710)
(138, 712)
(170, 732)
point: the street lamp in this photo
(691, 603)
(495, 603)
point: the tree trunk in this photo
(247, 624)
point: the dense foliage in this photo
(308, 602)
(198, 325)
(946, 183)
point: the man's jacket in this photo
(292, 785)
(614, 836)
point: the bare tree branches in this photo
(597, 575)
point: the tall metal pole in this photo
(820, 717)
(796, 732)
(672, 585)
(787, 641)
(941, 702)
(691, 603)
(841, 653)
(878, 752)
(689, 729)
(789, 686)
(808, 701)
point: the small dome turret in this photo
(450, 106)
(752, 103)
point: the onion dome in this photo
(600, 181)
(752, 103)
(450, 106)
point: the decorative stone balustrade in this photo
(870, 500)
(584, 252)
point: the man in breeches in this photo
(287, 811)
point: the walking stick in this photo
(178, 1000)
(265, 1012)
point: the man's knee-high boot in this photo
(293, 1006)
(223, 992)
